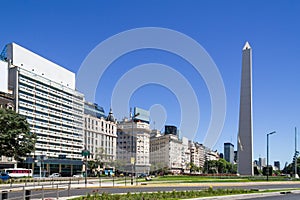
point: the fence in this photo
(52, 188)
(41, 192)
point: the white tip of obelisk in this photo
(247, 46)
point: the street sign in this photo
(85, 153)
(132, 160)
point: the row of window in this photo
(59, 132)
(55, 104)
(103, 125)
(60, 90)
(45, 108)
(43, 139)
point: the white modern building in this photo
(133, 143)
(100, 133)
(45, 94)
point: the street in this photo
(93, 187)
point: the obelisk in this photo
(245, 144)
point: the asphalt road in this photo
(83, 191)
(290, 196)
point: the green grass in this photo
(170, 195)
(205, 179)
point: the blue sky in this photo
(66, 31)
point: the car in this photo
(4, 176)
(55, 175)
(78, 175)
(143, 175)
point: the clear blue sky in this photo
(66, 31)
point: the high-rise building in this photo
(245, 145)
(221, 155)
(45, 94)
(170, 130)
(133, 143)
(100, 134)
(261, 163)
(235, 156)
(229, 152)
(277, 165)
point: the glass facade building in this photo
(229, 152)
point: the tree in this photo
(290, 168)
(210, 166)
(16, 140)
(219, 166)
(222, 165)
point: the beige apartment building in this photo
(133, 143)
(100, 134)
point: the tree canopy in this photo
(219, 166)
(16, 140)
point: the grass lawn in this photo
(205, 179)
(174, 195)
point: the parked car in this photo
(55, 175)
(78, 175)
(4, 176)
(143, 175)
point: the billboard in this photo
(143, 115)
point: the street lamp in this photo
(132, 160)
(85, 153)
(268, 154)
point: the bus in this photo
(18, 172)
(109, 171)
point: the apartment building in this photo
(100, 133)
(198, 152)
(165, 152)
(133, 143)
(45, 94)
(168, 151)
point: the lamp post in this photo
(268, 153)
(132, 160)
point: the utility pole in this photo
(296, 154)
(133, 154)
(268, 154)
